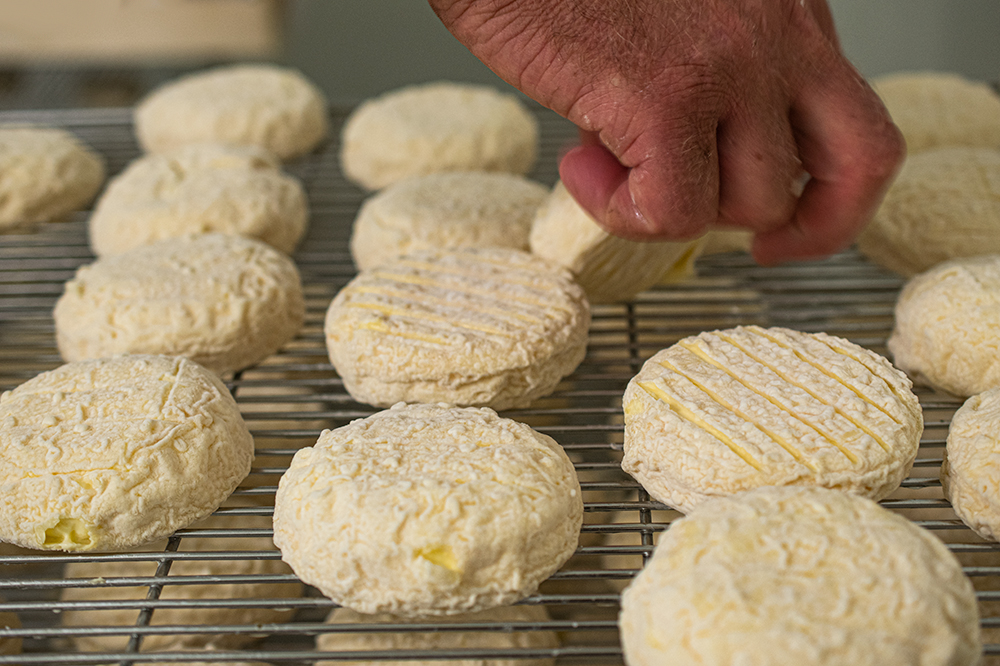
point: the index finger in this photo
(852, 151)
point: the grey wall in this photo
(357, 48)
(354, 49)
(882, 36)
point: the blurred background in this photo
(94, 53)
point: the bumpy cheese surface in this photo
(944, 204)
(486, 327)
(433, 127)
(726, 411)
(786, 576)
(971, 470)
(114, 453)
(275, 108)
(445, 211)
(224, 301)
(45, 173)
(935, 109)
(946, 324)
(443, 640)
(610, 269)
(235, 190)
(428, 510)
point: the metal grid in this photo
(291, 396)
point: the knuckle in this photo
(877, 157)
(674, 208)
(695, 87)
(686, 220)
(888, 151)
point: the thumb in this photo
(595, 178)
(669, 196)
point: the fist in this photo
(697, 114)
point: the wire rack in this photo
(233, 595)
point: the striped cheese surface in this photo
(730, 410)
(482, 327)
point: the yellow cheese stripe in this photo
(380, 327)
(795, 453)
(872, 369)
(488, 293)
(425, 298)
(461, 270)
(826, 372)
(426, 316)
(689, 416)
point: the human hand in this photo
(699, 113)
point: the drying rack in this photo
(289, 398)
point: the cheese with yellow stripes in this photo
(731, 410)
(428, 510)
(481, 327)
(788, 576)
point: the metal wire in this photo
(289, 398)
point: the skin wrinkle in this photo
(630, 37)
(625, 146)
(489, 30)
(535, 59)
(778, 143)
